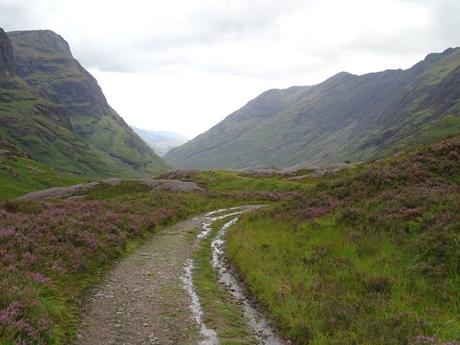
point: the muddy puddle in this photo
(209, 335)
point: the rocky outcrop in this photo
(47, 52)
(79, 190)
(42, 40)
(6, 54)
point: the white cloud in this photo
(183, 65)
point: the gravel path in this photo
(143, 300)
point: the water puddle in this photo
(209, 335)
(264, 333)
(219, 214)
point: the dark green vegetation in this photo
(53, 109)
(367, 256)
(161, 142)
(51, 252)
(347, 117)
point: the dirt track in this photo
(143, 300)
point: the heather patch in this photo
(51, 252)
(365, 258)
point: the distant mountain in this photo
(347, 117)
(160, 141)
(54, 110)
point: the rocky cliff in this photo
(6, 54)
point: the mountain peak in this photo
(45, 41)
(6, 53)
(340, 77)
(435, 57)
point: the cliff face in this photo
(6, 53)
(44, 60)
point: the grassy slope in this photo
(43, 130)
(22, 175)
(367, 257)
(51, 252)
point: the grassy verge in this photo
(221, 312)
(370, 258)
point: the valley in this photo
(324, 214)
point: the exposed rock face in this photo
(6, 53)
(47, 52)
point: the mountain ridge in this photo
(346, 117)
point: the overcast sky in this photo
(183, 65)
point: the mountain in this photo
(6, 54)
(347, 117)
(160, 141)
(54, 110)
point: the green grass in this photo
(222, 180)
(22, 175)
(367, 257)
(322, 287)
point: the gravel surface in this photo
(142, 300)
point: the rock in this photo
(76, 192)
(172, 185)
(6, 54)
(59, 192)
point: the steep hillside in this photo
(39, 127)
(347, 117)
(53, 109)
(161, 142)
